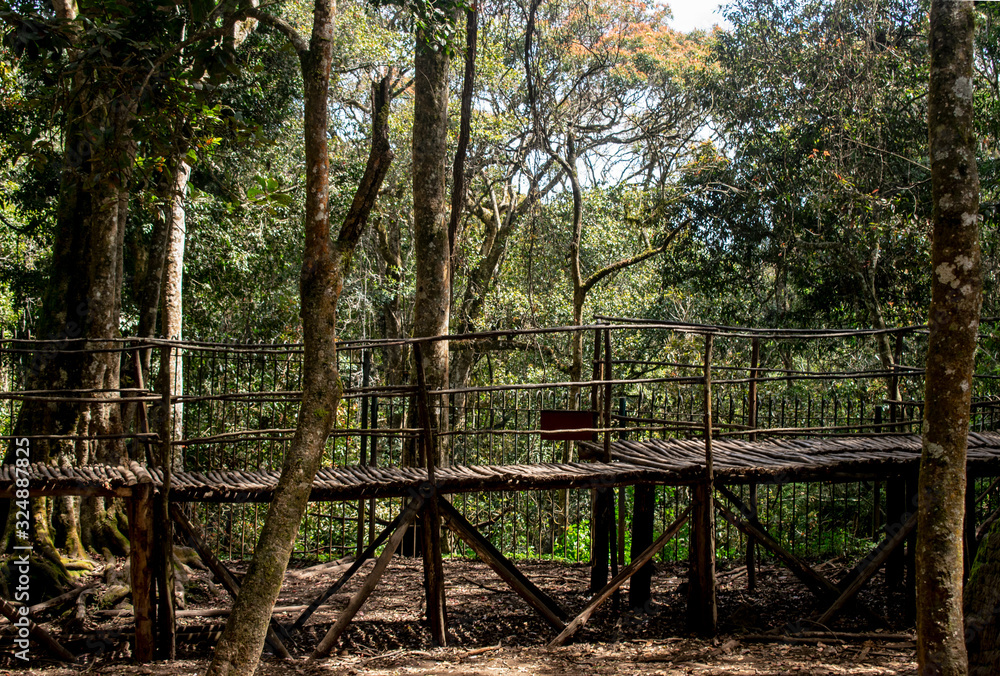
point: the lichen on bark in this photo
(956, 291)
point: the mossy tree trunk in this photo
(325, 263)
(431, 245)
(982, 606)
(956, 297)
(80, 310)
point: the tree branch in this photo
(379, 159)
(634, 260)
(277, 23)
(465, 125)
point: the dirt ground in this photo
(492, 631)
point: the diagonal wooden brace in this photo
(36, 632)
(871, 563)
(348, 574)
(619, 579)
(506, 570)
(225, 577)
(362, 594)
(819, 585)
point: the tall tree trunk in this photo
(432, 252)
(432, 299)
(956, 290)
(324, 265)
(173, 298)
(83, 301)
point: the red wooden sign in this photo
(558, 425)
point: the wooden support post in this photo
(970, 544)
(619, 579)
(751, 553)
(868, 567)
(166, 629)
(372, 462)
(224, 576)
(362, 594)
(604, 508)
(702, 609)
(502, 566)
(36, 632)
(140, 526)
(366, 364)
(602, 499)
(643, 513)
(876, 507)
(910, 507)
(141, 411)
(348, 574)
(817, 583)
(895, 507)
(431, 531)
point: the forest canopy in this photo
(771, 173)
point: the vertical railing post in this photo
(970, 544)
(601, 502)
(614, 522)
(363, 459)
(894, 380)
(595, 388)
(751, 554)
(431, 532)
(163, 532)
(702, 610)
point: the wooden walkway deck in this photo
(737, 461)
(669, 461)
(673, 461)
(332, 483)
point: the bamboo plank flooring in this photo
(662, 461)
(739, 461)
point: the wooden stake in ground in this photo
(956, 298)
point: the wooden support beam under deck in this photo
(36, 632)
(225, 577)
(506, 570)
(619, 580)
(817, 583)
(868, 566)
(348, 574)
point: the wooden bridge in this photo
(670, 462)
(641, 464)
(716, 454)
